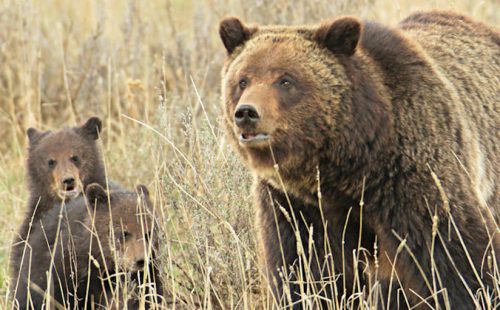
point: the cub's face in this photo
(124, 226)
(282, 88)
(62, 162)
(132, 233)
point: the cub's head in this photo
(124, 225)
(283, 87)
(61, 163)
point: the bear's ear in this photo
(35, 135)
(143, 193)
(233, 33)
(91, 128)
(96, 193)
(142, 190)
(340, 36)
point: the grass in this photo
(151, 71)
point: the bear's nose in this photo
(246, 114)
(139, 264)
(69, 183)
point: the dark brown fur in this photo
(116, 237)
(73, 153)
(375, 111)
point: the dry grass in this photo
(151, 71)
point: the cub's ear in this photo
(340, 36)
(142, 190)
(35, 135)
(143, 193)
(91, 128)
(96, 193)
(233, 33)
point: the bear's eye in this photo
(243, 83)
(126, 235)
(75, 159)
(285, 83)
(51, 163)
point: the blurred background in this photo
(151, 71)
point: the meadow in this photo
(151, 71)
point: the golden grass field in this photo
(151, 71)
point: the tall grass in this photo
(151, 71)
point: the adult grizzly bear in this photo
(78, 252)
(400, 127)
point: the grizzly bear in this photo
(370, 141)
(60, 164)
(78, 252)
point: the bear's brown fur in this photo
(61, 163)
(92, 241)
(403, 119)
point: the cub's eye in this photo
(285, 83)
(51, 163)
(75, 159)
(126, 235)
(243, 83)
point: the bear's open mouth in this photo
(250, 137)
(69, 193)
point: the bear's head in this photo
(61, 163)
(288, 92)
(123, 226)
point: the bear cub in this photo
(61, 163)
(79, 253)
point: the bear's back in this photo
(467, 54)
(443, 71)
